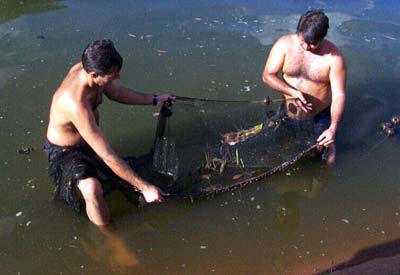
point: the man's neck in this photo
(87, 79)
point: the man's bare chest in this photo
(311, 67)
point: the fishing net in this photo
(203, 147)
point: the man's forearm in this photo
(337, 108)
(279, 85)
(128, 96)
(124, 171)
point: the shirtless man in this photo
(313, 72)
(74, 139)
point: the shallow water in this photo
(302, 223)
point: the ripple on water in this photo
(274, 26)
(378, 34)
(345, 29)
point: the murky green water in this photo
(286, 225)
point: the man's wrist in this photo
(333, 127)
(295, 93)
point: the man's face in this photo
(307, 46)
(112, 75)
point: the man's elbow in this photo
(266, 78)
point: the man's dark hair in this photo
(313, 25)
(100, 57)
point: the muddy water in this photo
(304, 222)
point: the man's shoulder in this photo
(72, 89)
(70, 97)
(285, 42)
(63, 101)
(332, 49)
(286, 39)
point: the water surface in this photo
(295, 224)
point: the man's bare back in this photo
(72, 94)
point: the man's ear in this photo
(93, 75)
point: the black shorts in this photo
(322, 120)
(69, 164)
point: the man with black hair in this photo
(314, 72)
(75, 146)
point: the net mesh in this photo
(204, 147)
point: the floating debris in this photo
(389, 37)
(203, 247)
(389, 128)
(142, 37)
(396, 120)
(238, 176)
(18, 214)
(345, 221)
(25, 150)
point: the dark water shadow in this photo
(378, 259)
(368, 105)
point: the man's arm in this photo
(337, 77)
(127, 96)
(274, 66)
(85, 122)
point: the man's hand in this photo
(165, 99)
(302, 102)
(326, 138)
(153, 194)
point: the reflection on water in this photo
(10, 9)
(310, 183)
(300, 223)
(104, 246)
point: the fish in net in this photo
(203, 147)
